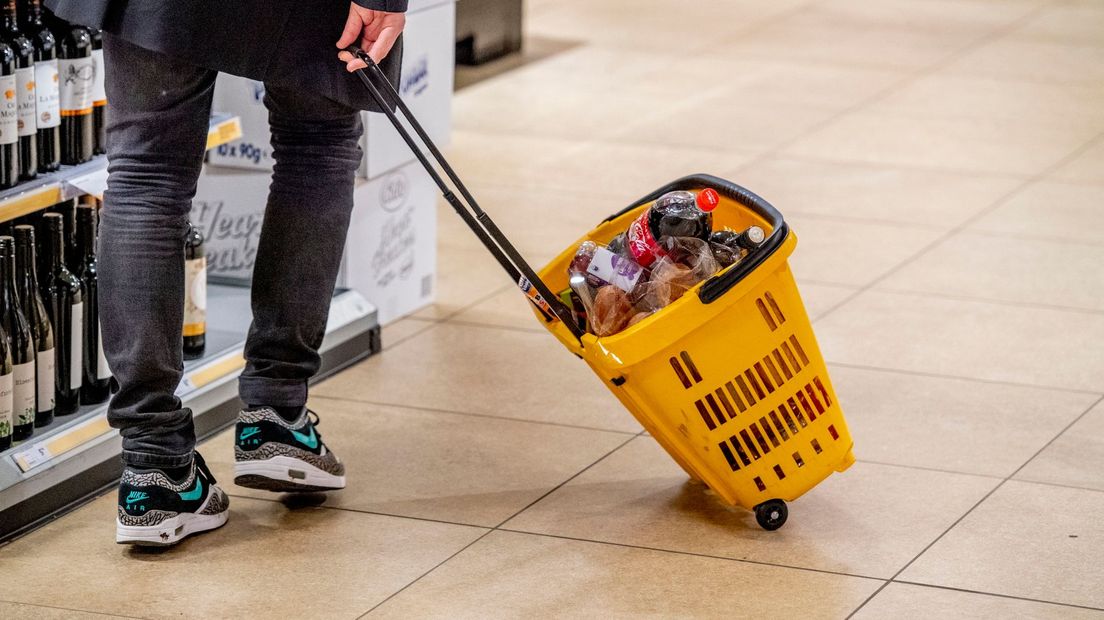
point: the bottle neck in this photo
(53, 242)
(8, 15)
(9, 300)
(85, 240)
(32, 11)
(25, 259)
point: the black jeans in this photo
(156, 137)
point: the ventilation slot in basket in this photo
(685, 374)
(772, 314)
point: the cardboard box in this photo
(391, 254)
(229, 208)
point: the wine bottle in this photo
(30, 301)
(99, 96)
(97, 379)
(68, 212)
(46, 86)
(21, 343)
(7, 382)
(9, 118)
(195, 294)
(24, 90)
(61, 291)
(76, 72)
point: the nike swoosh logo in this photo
(310, 441)
(194, 494)
(135, 497)
(249, 432)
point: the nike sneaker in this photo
(159, 511)
(273, 454)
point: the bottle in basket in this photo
(730, 246)
(674, 214)
(602, 267)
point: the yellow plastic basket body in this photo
(735, 390)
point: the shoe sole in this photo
(170, 531)
(285, 474)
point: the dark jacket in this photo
(286, 42)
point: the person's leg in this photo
(315, 143)
(157, 132)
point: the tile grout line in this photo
(1008, 596)
(979, 503)
(989, 300)
(935, 375)
(475, 415)
(496, 528)
(83, 611)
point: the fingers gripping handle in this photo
(388, 100)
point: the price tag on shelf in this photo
(93, 184)
(45, 450)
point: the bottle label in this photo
(77, 77)
(23, 394)
(102, 371)
(616, 270)
(6, 405)
(9, 111)
(643, 246)
(99, 92)
(45, 366)
(195, 297)
(48, 93)
(76, 346)
(25, 99)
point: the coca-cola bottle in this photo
(674, 214)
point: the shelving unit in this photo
(78, 455)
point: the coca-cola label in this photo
(616, 270)
(643, 246)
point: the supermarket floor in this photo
(942, 163)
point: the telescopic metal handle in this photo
(388, 100)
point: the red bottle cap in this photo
(708, 199)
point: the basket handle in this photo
(715, 287)
(388, 100)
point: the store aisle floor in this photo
(942, 163)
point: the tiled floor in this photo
(941, 161)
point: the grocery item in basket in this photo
(730, 246)
(686, 261)
(638, 317)
(601, 267)
(674, 214)
(611, 311)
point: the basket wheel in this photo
(771, 514)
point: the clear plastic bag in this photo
(688, 261)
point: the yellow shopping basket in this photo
(728, 379)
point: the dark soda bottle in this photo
(674, 214)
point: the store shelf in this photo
(79, 454)
(54, 187)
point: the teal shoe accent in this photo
(194, 494)
(310, 440)
(248, 432)
(136, 496)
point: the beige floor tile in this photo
(722, 122)
(1034, 541)
(499, 372)
(951, 424)
(979, 340)
(509, 575)
(19, 611)
(463, 278)
(740, 81)
(346, 561)
(1019, 58)
(852, 252)
(821, 298)
(496, 157)
(990, 145)
(947, 95)
(1075, 458)
(870, 520)
(506, 309)
(1028, 271)
(900, 600)
(873, 193)
(1049, 210)
(1066, 23)
(404, 328)
(1086, 167)
(443, 466)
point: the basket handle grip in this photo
(388, 101)
(715, 287)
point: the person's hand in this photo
(375, 31)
